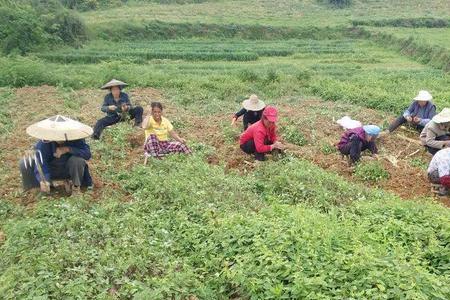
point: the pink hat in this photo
(271, 113)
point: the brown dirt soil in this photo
(313, 118)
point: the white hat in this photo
(253, 103)
(59, 128)
(443, 116)
(423, 96)
(114, 82)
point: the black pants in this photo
(249, 148)
(402, 120)
(135, 113)
(353, 149)
(433, 151)
(73, 168)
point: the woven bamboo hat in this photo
(443, 116)
(253, 103)
(59, 128)
(114, 82)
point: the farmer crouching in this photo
(157, 131)
(117, 107)
(60, 154)
(435, 135)
(439, 172)
(252, 111)
(356, 140)
(260, 138)
(418, 114)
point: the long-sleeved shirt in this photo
(259, 134)
(430, 133)
(250, 116)
(77, 148)
(109, 100)
(440, 163)
(359, 134)
(425, 113)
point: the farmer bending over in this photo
(435, 135)
(260, 138)
(439, 171)
(64, 154)
(356, 140)
(117, 107)
(418, 114)
(252, 111)
(157, 131)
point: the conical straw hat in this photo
(443, 116)
(253, 103)
(112, 83)
(59, 128)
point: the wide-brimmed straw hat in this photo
(253, 103)
(443, 116)
(59, 128)
(114, 82)
(423, 96)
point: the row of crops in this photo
(195, 50)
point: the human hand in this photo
(181, 140)
(125, 107)
(409, 119)
(61, 151)
(45, 186)
(233, 121)
(278, 145)
(417, 120)
(112, 107)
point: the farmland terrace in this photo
(214, 225)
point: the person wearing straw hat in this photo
(60, 154)
(117, 107)
(261, 137)
(439, 172)
(436, 136)
(356, 140)
(252, 111)
(418, 114)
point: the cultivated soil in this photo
(314, 119)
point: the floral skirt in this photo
(155, 148)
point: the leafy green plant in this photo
(371, 172)
(292, 134)
(327, 149)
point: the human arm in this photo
(79, 148)
(176, 137)
(424, 121)
(237, 115)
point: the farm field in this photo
(215, 225)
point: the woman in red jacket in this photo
(260, 138)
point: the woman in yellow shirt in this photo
(157, 131)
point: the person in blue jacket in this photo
(117, 106)
(418, 114)
(252, 111)
(58, 159)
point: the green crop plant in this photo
(371, 172)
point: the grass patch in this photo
(371, 172)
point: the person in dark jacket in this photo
(60, 154)
(356, 140)
(117, 106)
(418, 114)
(252, 111)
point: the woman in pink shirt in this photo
(260, 138)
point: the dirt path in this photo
(313, 118)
